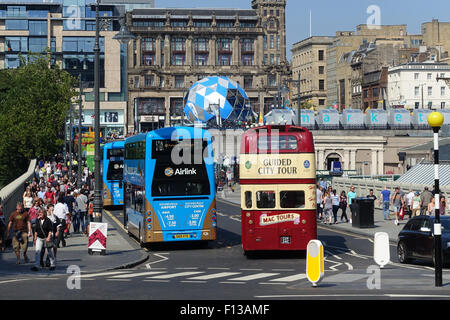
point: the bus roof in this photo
(170, 132)
(250, 139)
(120, 144)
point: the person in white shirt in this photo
(409, 202)
(60, 213)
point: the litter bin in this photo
(362, 213)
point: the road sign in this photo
(98, 233)
(381, 252)
(314, 262)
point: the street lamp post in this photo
(299, 109)
(79, 134)
(435, 120)
(98, 201)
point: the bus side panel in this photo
(107, 197)
(152, 225)
(262, 230)
(209, 229)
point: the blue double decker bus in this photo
(169, 186)
(112, 173)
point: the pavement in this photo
(380, 225)
(121, 252)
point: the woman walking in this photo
(327, 207)
(343, 205)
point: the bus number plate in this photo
(286, 240)
(182, 236)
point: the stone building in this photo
(309, 60)
(174, 48)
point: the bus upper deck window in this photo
(265, 199)
(248, 199)
(292, 199)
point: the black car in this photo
(416, 240)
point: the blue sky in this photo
(329, 16)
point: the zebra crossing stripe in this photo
(290, 278)
(176, 275)
(134, 275)
(102, 274)
(254, 276)
(215, 276)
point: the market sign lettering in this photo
(279, 218)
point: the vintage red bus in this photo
(278, 188)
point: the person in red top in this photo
(49, 196)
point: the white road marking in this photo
(176, 275)
(215, 276)
(14, 280)
(101, 274)
(350, 267)
(290, 278)
(254, 276)
(135, 275)
(159, 255)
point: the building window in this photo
(272, 42)
(16, 25)
(148, 48)
(321, 102)
(202, 24)
(272, 80)
(37, 28)
(442, 105)
(178, 23)
(179, 81)
(321, 85)
(321, 55)
(248, 82)
(224, 47)
(429, 75)
(16, 44)
(442, 91)
(416, 76)
(37, 44)
(247, 52)
(201, 51)
(149, 80)
(430, 91)
(265, 42)
(321, 69)
(178, 46)
(416, 91)
(416, 105)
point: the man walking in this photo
(21, 225)
(385, 202)
(81, 201)
(425, 199)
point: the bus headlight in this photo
(250, 221)
(304, 221)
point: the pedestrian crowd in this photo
(50, 209)
(413, 203)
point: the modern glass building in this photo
(67, 29)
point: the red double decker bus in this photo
(278, 188)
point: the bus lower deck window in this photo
(248, 199)
(265, 199)
(292, 199)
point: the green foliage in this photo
(34, 100)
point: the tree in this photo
(34, 100)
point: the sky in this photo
(329, 16)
